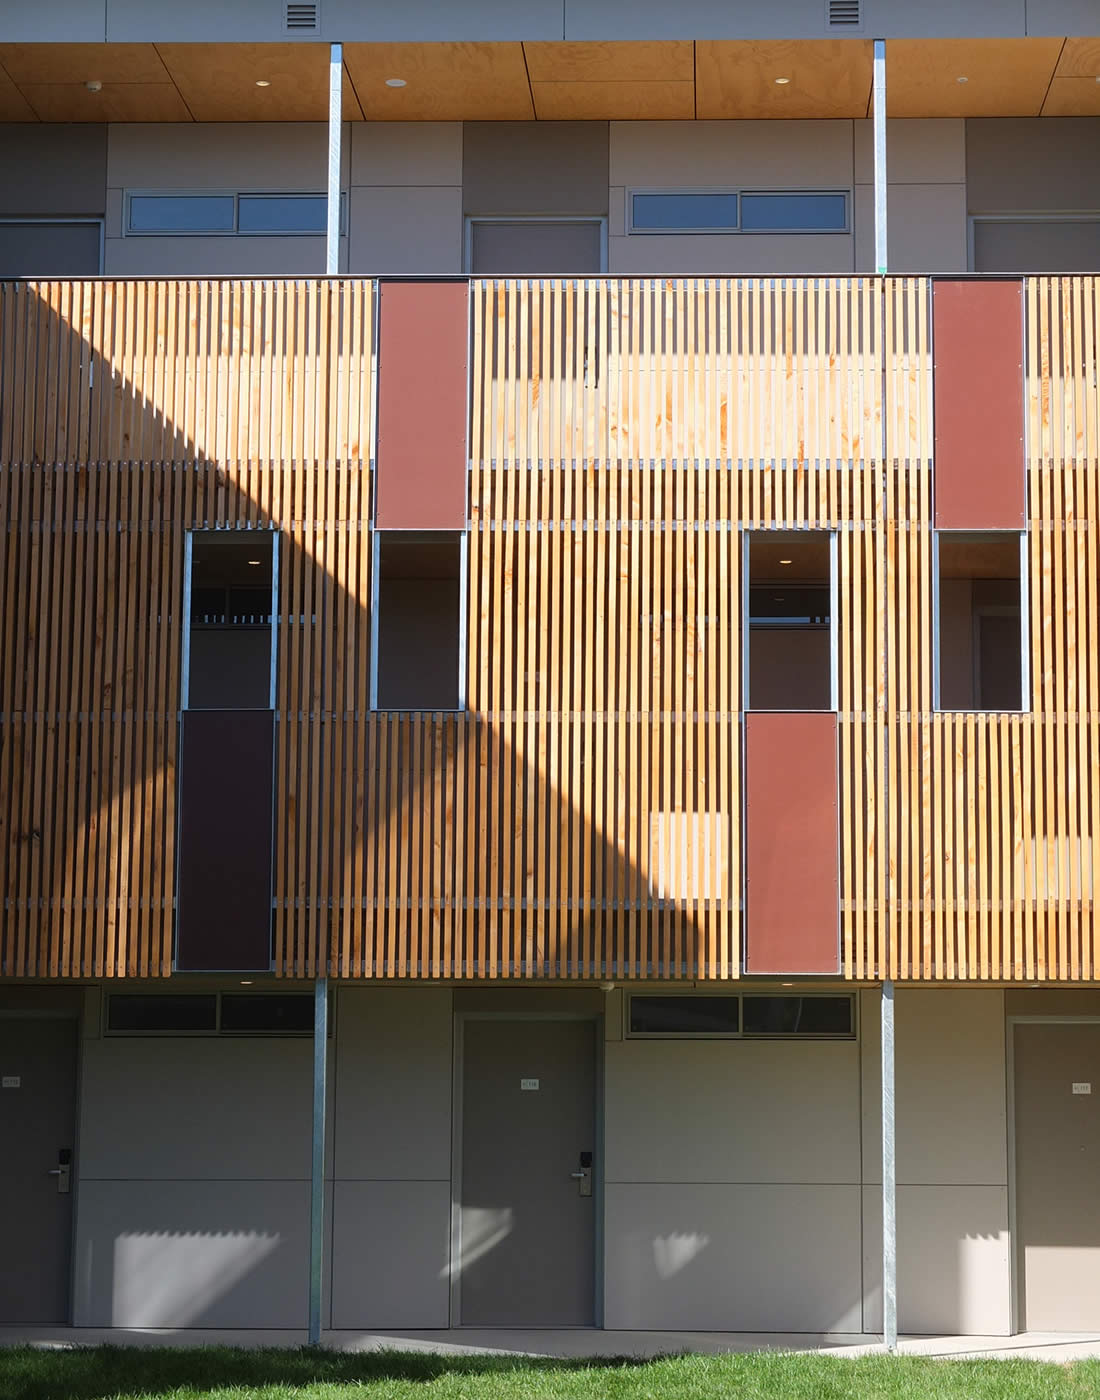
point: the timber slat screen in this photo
(582, 817)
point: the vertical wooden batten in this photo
(978, 344)
(792, 877)
(423, 396)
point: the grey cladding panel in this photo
(1019, 165)
(52, 169)
(535, 167)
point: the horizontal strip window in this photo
(817, 1016)
(229, 213)
(210, 1013)
(738, 211)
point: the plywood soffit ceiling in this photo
(567, 81)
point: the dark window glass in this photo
(418, 620)
(282, 213)
(683, 1015)
(683, 211)
(161, 1013)
(277, 1013)
(798, 1015)
(181, 213)
(794, 213)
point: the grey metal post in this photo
(317, 1171)
(880, 156)
(335, 131)
(889, 1174)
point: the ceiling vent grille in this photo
(843, 14)
(304, 16)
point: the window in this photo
(416, 635)
(211, 1013)
(135, 1013)
(979, 650)
(259, 1013)
(684, 1016)
(535, 247)
(794, 213)
(1034, 243)
(229, 643)
(789, 609)
(741, 1016)
(50, 247)
(738, 211)
(228, 213)
(814, 1015)
(697, 211)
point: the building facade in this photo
(549, 776)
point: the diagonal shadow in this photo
(137, 411)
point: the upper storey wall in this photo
(411, 187)
(89, 21)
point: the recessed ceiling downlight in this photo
(395, 82)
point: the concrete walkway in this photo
(581, 1342)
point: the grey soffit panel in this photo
(226, 806)
(535, 168)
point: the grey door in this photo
(37, 1119)
(527, 1228)
(1058, 1176)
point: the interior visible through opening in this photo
(790, 633)
(418, 621)
(979, 635)
(229, 657)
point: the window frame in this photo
(797, 994)
(1025, 707)
(375, 581)
(128, 231)
(215, 1032)
(185, 659)
(1030, 216)
(98, 221)
(471, 219)
(740, 231)
(747, 534)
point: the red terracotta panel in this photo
(423, 346)
(978, 342)
(792, 921)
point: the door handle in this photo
(578, 1176)
(63, 1170)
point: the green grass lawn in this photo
(118, 1373)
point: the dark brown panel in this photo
(422, 397)
(979, 405)
(226, 786)
(791, 862)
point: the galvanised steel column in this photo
(317, 1171)
(889, 1183)
(335, 130)
(880, 156)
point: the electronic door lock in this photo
(583, 1177)
(63, 1170)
